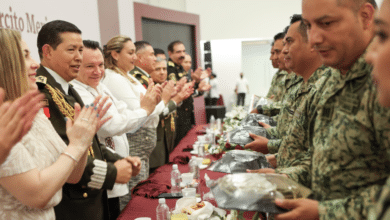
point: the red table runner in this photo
(144, 207)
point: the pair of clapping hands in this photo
(198, 75)
(92, 116)
(165, 92)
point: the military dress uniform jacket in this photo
(348, 132)
(141, 75)
(185, 113)
(88, 198)
(166, 131)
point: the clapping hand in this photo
(124, 171)
(168, 90)
(195, 75)
(204, 86)
(136, 164)
(151, 98)
(16, 119)
(86, 122)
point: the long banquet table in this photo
(140, 206)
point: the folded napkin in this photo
(188, 148)
(151, 188)
(201, 132)
(181, 160)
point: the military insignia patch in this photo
(327, 112)
(180, 75)
(170, 63)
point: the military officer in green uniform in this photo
(166, 130)
(60, 62)
(176, 52)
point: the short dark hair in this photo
(302, 28)
(173, 44)
(285, 30)
(139, 45)
(94, 45)
(158, 51)
(279, 36)
(50, 34)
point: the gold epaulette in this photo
(172, 76)
(41, 79)
(170, 63)
(173, 127)
(145, 78)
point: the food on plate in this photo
(190, 209)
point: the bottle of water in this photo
(162, 210)
(175, 179)
(212, 122)
(194, 168)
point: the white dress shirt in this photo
(130, 92)
(64, 84)
(123, 121)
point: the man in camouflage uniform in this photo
(307, 65)
(270, 94)
(278, 85)
(348, 129)
(276, 90)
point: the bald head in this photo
(355, 4)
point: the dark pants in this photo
(113, 207)
(241, 99)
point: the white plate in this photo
(203, 166)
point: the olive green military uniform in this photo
(348, 132)
(293, 150)
(284, 118)
(277, 85)
(88, 198)
(381, 210)
(185, 114)
(283, 83)
(166, 131)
